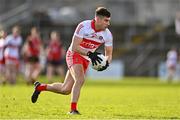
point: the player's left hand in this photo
(104, 67)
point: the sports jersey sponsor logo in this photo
(90, 44)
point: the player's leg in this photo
(14, 72)
(28, 73)
(49, 73)
(31, 68)
(2, 72)
(171, 72)
(9, 71)
(61, 88)
(79, 78)
(35, 71)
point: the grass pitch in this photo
(131, 98)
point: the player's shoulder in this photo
(1, 41)
(85, 23)
(9, 37)
(12, 37)
(108, 32)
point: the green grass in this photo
(131, 98)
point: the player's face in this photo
(2, 34)
(15, 31)
(34, 32)
(54, 36)
(104, 22)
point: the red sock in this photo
(73, 106)
(42, 87)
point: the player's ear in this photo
(97, 18)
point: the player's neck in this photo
(96, 26)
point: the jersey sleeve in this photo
(7, 39)
(109, 39)
(20, 41)
(79, 32)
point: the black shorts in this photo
(55, 63)
(33, 59)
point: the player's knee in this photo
(80, 82)
(66, 91)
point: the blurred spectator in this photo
(2, 60)
(55, 56)
(11, 53)
(31, 52)
(171, 63)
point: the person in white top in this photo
(88, 36)
(171, 63)
(2, 60)
(11, 53)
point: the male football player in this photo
(88, 36)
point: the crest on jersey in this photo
(100, 37)
(94, 35)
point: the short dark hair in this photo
(102, 11)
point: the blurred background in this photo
(143, 30)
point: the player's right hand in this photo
(94, 57)
(104, 67)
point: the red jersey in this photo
(34, 46)
(55, 51)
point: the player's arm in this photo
(76, 46)
(42, 52)
(63, 51)
(108, 53)
(77, 39)
(24, 49)
(6, 43)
